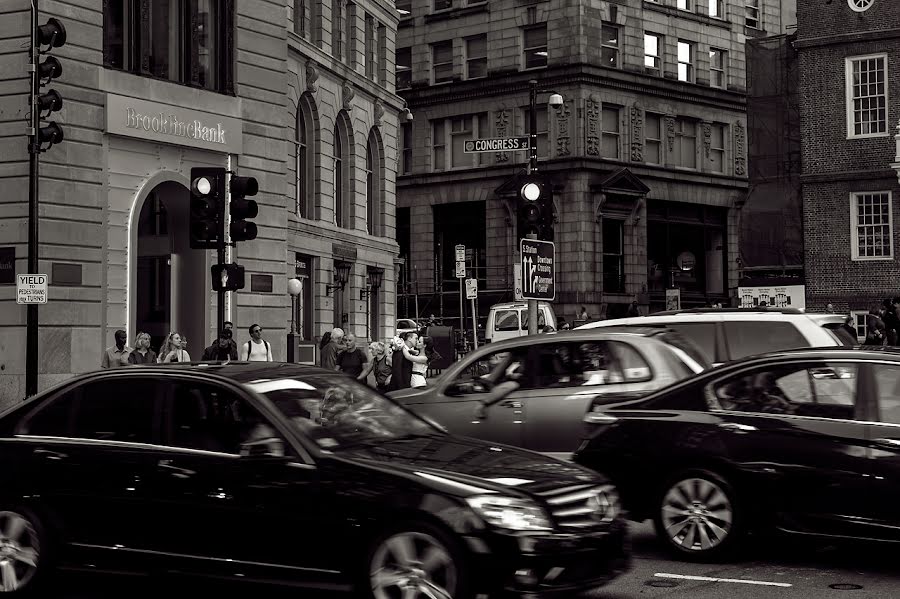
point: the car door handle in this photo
(740, 428)
(888, 443)
(48, 454)
(168, 466)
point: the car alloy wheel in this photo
(412, 564)
(19, 551)
(697, 514)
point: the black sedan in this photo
(281, 472)
(804, 441)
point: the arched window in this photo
(343, 166)
(307, 144)
(374, 183)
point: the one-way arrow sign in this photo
(538, 269)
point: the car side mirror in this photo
(498, 393)
(263, 448)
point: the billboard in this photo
(785, 296)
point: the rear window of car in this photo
(506, 320)
(843, 335)
(748, 338)
(702, 335)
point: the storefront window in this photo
(303, 317)
(182, 41)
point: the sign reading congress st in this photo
(538, 258)
(165, 123)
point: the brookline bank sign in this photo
(174, 125)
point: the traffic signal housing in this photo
(50, 35)
(227, 277)
(207, 217)
(534, 208)
(242, 209)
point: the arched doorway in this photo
(171, 280)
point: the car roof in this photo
(244, 372)
(562, 336)
(718, 315)
(730, 310)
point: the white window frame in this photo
(658, 57)
(470, 59)
(848, 92)
(854, 233)
(855, 314)
(752, 7)
(616, 48)
(608, 133)
(691, 71)
(686, 5)
(434, 64)
(723, 54)
(719, 6)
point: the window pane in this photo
(751, 338)
(114, 34)
(506, 320)
(703, 335)
(164, 33)
(610, 35)
(403, 68)
(887, 379)
(207, 38)
(52, 419)
(117, 410)
(632, 365)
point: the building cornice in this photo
(567, 76)
(846, 38)
(837, 176)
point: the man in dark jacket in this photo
(222, 348)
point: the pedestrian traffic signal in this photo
(52, 35)
(534, 208)
(242, 209)
(227, 277)
(207, 207)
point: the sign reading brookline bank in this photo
(538, 258)
(172, 124)
(497, 144)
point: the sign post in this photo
(472, 294)
(460, 275)
(538, 276)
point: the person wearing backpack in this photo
(257, 349)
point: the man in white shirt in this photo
(257, 349)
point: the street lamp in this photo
(556, 101)
(294, 286)
(374, 277)
(341, 276)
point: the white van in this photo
(509, 320)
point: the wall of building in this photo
(834, 166)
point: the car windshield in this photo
(338, 413)
(840, 332)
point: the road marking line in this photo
(711, 579)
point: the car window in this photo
(747, 338)
(825, 390)
(338, 413)
(703, 334)
(506, 320)
(841, 333)
(497, 367)
(574, 364)
(542, 319)
(211, 418)
(887, 379)
(53, 418)
(631, 363)
(117, 409)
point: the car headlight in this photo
(510, 512)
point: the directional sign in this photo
(31, 289)
(471, 288)
(497, 144)
(538, 266)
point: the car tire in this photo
(698, 516)
(416, 555)
(25, 552)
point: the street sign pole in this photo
(460, 276)
(532, 304)
(34, 151)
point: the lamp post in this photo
(374, 277)
(295, 287)
(556, 100)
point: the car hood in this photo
(468, 466)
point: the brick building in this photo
(304, 94)
(648, 155)
(849, 54)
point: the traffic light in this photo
(50, 35)
(227, 277)
(242, 209)
(534, 209)
(207, 207)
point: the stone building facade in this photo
(848, 53)
(648, 154)
(283, 81)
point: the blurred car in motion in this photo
(725, 334)
(803, 441)
(554, 378)
(280, 472)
